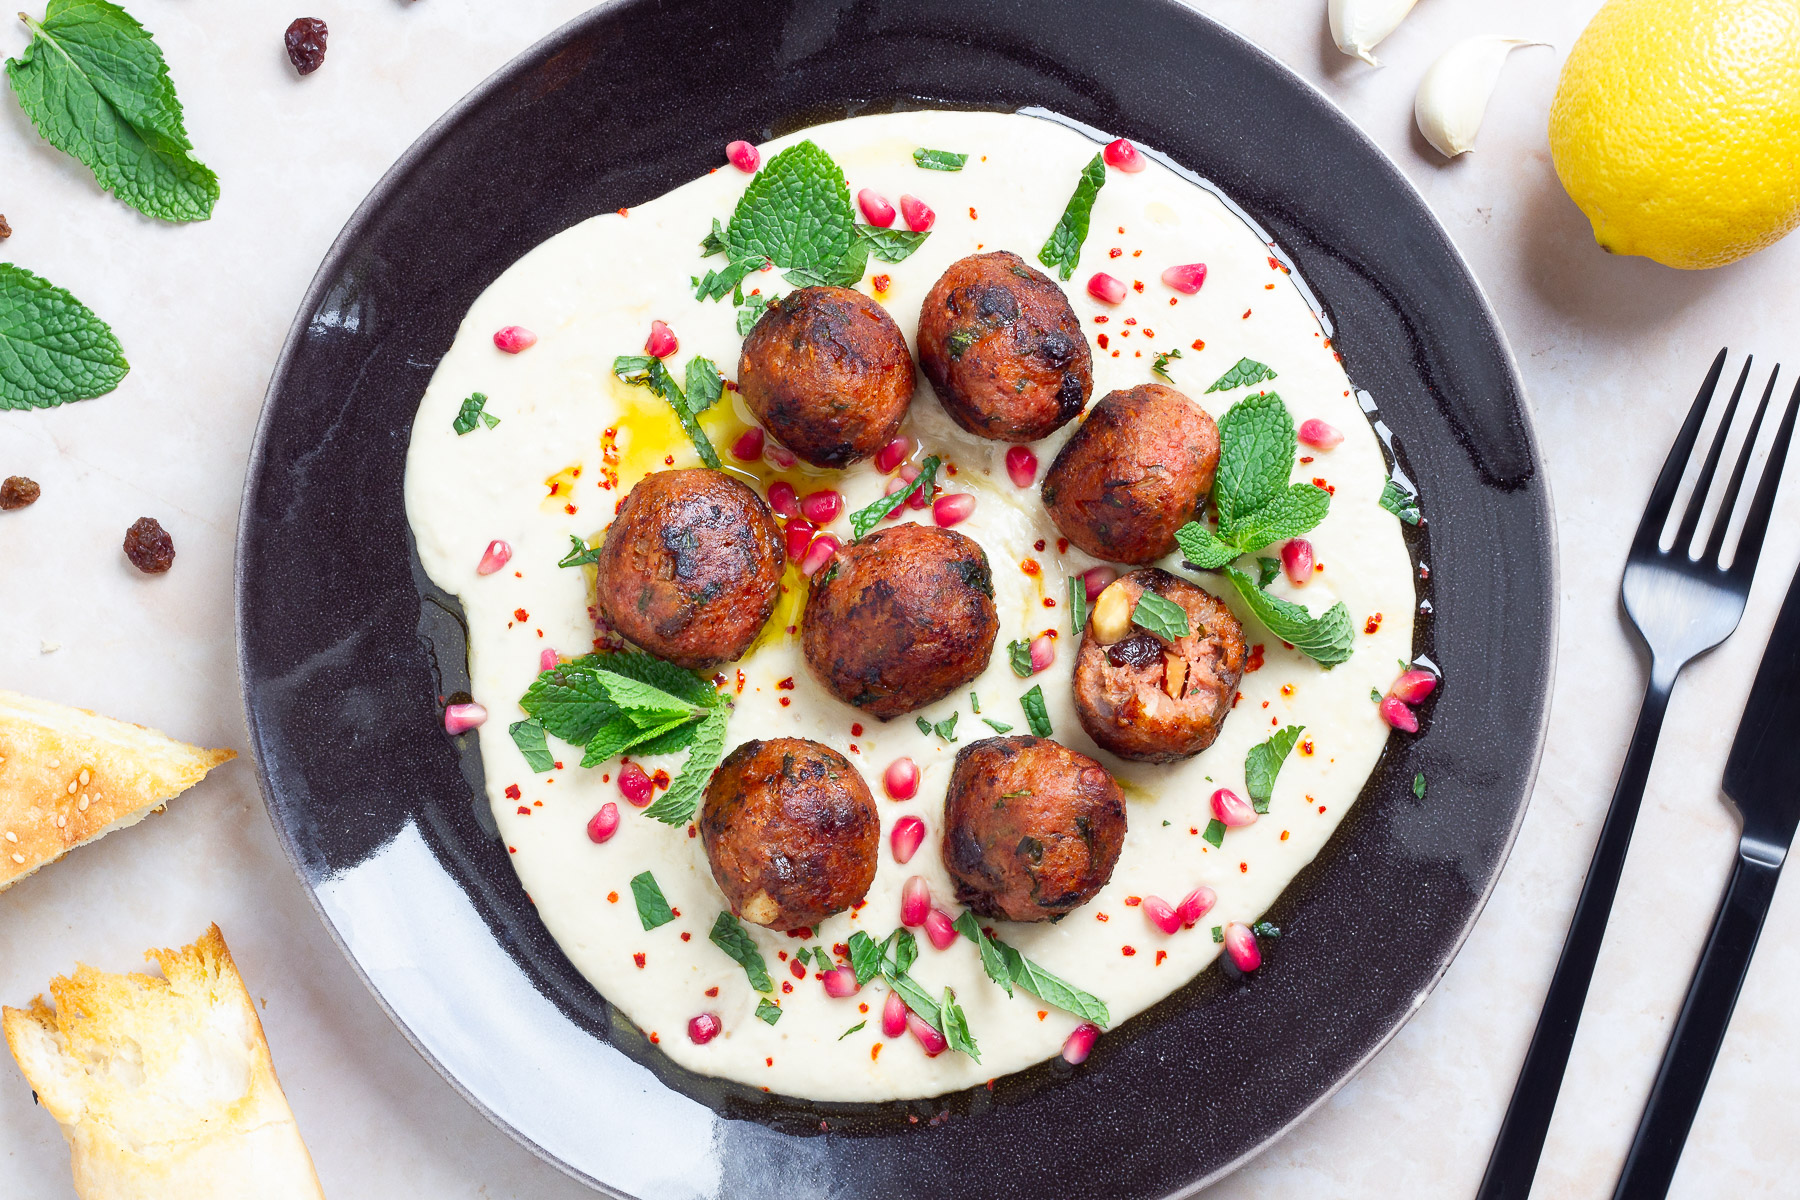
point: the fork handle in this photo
(1700, 1029)
(1514, 1161)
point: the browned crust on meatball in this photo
(691, 567)
(1032, 830)
(1003, 349)
(901, 618)
(827, 372)
(1122, 690)
(1138, 469)
(790, 831)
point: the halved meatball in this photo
(1138, 469)
(827, 371)
(900, 618)
(691, 566)
(1003, 349)
(1031, 829)
(790, 831)
(1154, 701)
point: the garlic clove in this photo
(1453, 95)
(1358, 26)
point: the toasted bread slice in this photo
(68, 776)
(163, 1087)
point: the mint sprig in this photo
(1243, 373)
(1257, 506)
(95, 85)
(1326, 639)
(1263, 763)
(641, 370)
(1062, 251)
(53, 349)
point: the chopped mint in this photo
(890, 245)
(853, 1029)
(946, 728)
(728, 935)
(1215, 832)
(767, 1010)
(939, 160)
(580, 554)
(1161, 364)
(1018, 652)
(1401, 503)
(1218, 932)
(641, 370)
(1037, 714)
(528, 736)
(1062, 251)
(1077, 604)
(997, 726)
(924, 725)
(472, 412)
(653, 908)
(1419, 785)
(865, 519)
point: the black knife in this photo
(1762, 778)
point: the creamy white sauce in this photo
(589, 294)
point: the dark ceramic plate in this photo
(345, 648)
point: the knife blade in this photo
(1762, 776)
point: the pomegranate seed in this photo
(840, 983)
(1240, 943)
(604, 823)
(1196, 904)
(930, 1039)
(918, 214)
(1021, 465)
(875, 207)
(779, 456)
(1315, 432)
(460, 718)
(940, 929)
(498, 554)
(547, 660)
(901, 780)
(1413, 686)
(1185, 278)
(1123, 156)
(1232, 809)
(783, 500)
(953, 509)
(662, 341)
(1106, 289)
(1297, 560)
(749, 446)
(822, 507)
(1079, 1043)
(743, 156)
(800, 533)
(705, 1027)
(893, 1015)
(1098, 579)
(915, 901)
(1043, 652)
(1161, 914)
(634, 785)
(514, 338)
(908, 836)
(818, 554)
(892, 455)
(1395, 712)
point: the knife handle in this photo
(1705, 1014)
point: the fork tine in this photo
(1662, 496)
(1728, 505)
(1690, 520)
(1743, 560)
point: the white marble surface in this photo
(1610, 349)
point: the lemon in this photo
(1676, 127)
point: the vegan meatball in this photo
(691, 566)
(827, 371)
(1031, 829)
(790, 831)
(900, 618)
(1138, 469)
(1003, 349)
(1147, 699)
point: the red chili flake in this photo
(882, 282)
(1160, 955)
(1101, 917)
(786, 685)
(1192, 829)
(1287, 689)
(1131, 320)
(624, 213)
(1265, 704)
(1255, 661)
(1246, 314)
(875, 1053)
(1103, 341)
(1321, 808)
(570, 508)
(661, 779)
(1373, 623)
(1038, 545)
(555, 487)
(512, 791)
(856, 729)
(785, 702)
(1042, 1013)
(972, 215)
(1115, 252)
(1128, 951)
(668, 460)
(524, 811)
(655, 1038)
(1306, 747)
(1150, 333)
(612, 897)
(1284, 835)
(712, 991)
(1320, 483)
(1306, 458)
(638, 958)
(521, 616)
(1238, 698)
(787, 987)
(1172, 302)
(769, 1062)
(692, 832)
(1101, 319)
(796, 967)
(840, 949)
(685, 936)
(1121, 229)
(1049, 603)
(1030, 566)
(1133, 901)
(740, 683)
(1199, 345)
(512, 849)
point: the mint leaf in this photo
(1290, 514)
(906, 951)
(1018, 652)
(1077, 604)
(1218, 932)
(646, 668)
(678, 735)
(845, 272)
(1263, 763)
(569, 702)
(717, 284)
(473, 410)
(1215, 832)
(728, 935)
(946, 728)
(528, 736)
(916, 997)
(1246, 372)
(53, 350)
(1256, 456)
(865, 519)
(1165, 618)
(580, 554)
(865, 957)
(1063, 250)
(890, 245)
(641, 370)
(996, 726)
(677, 804)
(1326, 640)
(616, 736)
(1266, 571)
(95, 86)
(643, 702)
(768, 1011)
(1161, 365)
(1419, 785)
(992, 961)
(1401, 503)
(714, 242)
(653, 908)
(1047, 987)
(1202, 549)
(796, 212)
(956, 1026)
(1037, 716)
(939, 160)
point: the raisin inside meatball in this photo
(691, 566)
(1032, 830)
(790, 831)
(900, 618)
(827, 371)
(1003, 349)
(1138, 469)
(1155, 701)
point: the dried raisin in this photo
(149, 546)
(17, 491)
(306, 44)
